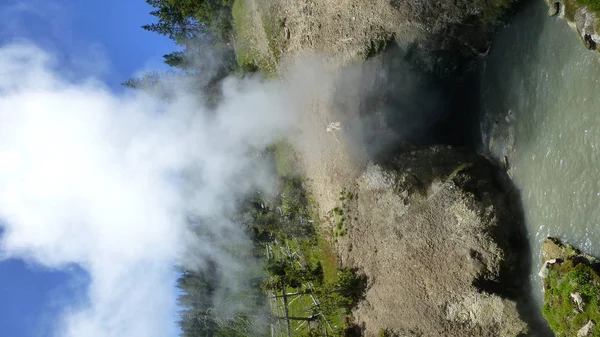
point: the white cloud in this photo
(87, 178)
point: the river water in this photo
(541, 95)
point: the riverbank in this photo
(539, 92)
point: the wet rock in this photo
(586, 330)
(505, 162)
(554, 9)
(553, 248)
(546, 266)
(589, 42)
(584, 20)
(576, 297)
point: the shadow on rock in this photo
(514, 282)
(404, 102)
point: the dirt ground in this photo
(414, 228)
(339, 31)
(421, 238)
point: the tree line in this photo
(212, 307)
(203, 32)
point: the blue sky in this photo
(100, 34)
(98, 37)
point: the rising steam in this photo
(106, 182)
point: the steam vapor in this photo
(106, 181)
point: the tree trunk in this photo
(293, 318)
(306, 292)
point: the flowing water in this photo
(541, 95)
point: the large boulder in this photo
(439, 240)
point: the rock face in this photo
(440, 34)
(571, 289)
(581, 18)
(438, 239)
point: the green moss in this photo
(328, 258)
(593, 5)
(492, 11)
(457, 170)
(384, 333)
(248, 57)
(571, 251)
(285, 159)
(345, 195)
(243, 49)
(274, 30)
(570, 8)
(559, 309)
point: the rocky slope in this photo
(439, 242)
(441, 35)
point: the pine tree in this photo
(174, 23)
(179, 59)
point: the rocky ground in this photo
(434, 229)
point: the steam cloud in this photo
(93, 178)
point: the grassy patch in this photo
(570, 8)
(308, 293)
(244, 53)
(593, 5)
(329, 260)
(338, 217)
(384, 333)
(275, 29)
(285, 159)
(560, 310)
(248, 57)
(339, 214)
(328, 298)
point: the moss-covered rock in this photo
(571, 290)
(581, 15)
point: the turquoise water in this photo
(541, 94)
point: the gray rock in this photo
(435, 235)
(586, 330)
(579, 17)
